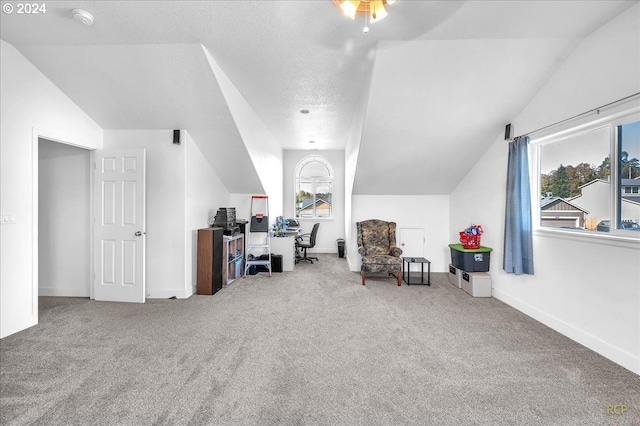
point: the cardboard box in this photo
(455, 276)
(477, 284)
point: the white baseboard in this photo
(323, 250)
(168, 294)
(63, 291)
(625, 359)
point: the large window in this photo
(588, 179)
(314, 180)
(628, 203)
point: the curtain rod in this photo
(580, 115)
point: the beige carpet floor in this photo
(309, 347)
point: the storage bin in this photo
(238, 267)
(477, 284)
(455, 275)
(469, 241)
(470, 260)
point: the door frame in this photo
(36, 134)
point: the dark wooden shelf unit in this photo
(209, 261)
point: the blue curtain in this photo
(518, 239)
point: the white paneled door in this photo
(411, 240)
(119, 200)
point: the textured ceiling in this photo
(441, 79)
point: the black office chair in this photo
(304, 242)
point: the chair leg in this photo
(399, 279)
(304, 256)
(362, 273)
(309, 258)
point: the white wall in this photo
(586, 289)
(166, 207)
(31, 106)
(264, 149)
(351, 154)
(64, 263)
(330, 229)
(428, 211)
(204, 191)
(242, 203)
(182, 189)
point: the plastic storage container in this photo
(239, 267)
(469, 241)
(477, 284)
(470, 260)
(455, 276)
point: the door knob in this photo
(402, 244)
(138, 234)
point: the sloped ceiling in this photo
(450, 122)
(443, 77)
(150, 86)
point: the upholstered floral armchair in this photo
(377, 246)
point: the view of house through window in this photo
(314, 180)
(629, 177)
(575, 180)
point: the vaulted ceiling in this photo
(438, 80)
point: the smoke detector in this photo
(82, 16)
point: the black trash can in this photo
(340, 244)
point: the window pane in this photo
(323, 199)
(629, 167)
(304, 198)
(314, 177)
(574, 182)
(314, 169)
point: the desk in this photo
(421, 261)
(286, 247)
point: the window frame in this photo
(615, 116)
(315, 181)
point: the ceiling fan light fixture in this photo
(377, 11)
(373, 10)
(82, 16)
(350, 7)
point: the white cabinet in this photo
(286, 247)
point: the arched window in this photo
(314, 180)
